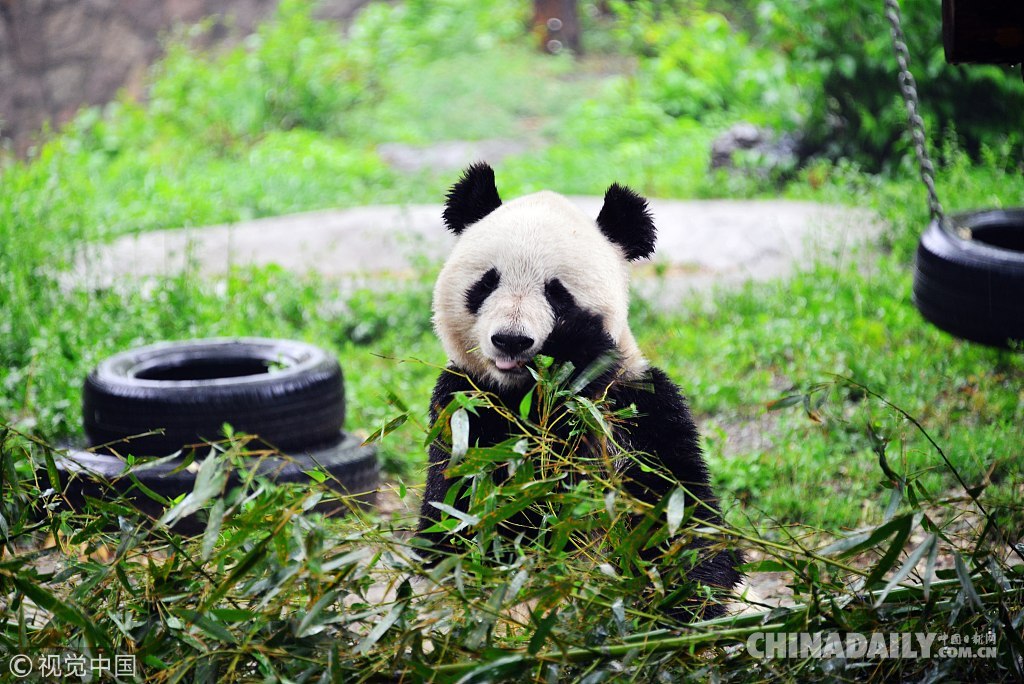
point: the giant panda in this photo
(538, 276)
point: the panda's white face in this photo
(493, 299)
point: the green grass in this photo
(212, 146)
(739, 358)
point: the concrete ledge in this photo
(700, 243)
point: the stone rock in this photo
(70, 34)
(65, 83)
(24, 26)
(57, 55)
(99, 6)
(774, 151)
(184, 10)
(116, 59)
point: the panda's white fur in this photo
(529, 241)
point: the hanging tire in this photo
(969, 276)
(290, 394)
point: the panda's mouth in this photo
(509, 365)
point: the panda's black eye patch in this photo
(481, 290)
(558, 297)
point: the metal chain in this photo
(908, 87)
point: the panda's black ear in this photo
(472, 198)
(626, 221)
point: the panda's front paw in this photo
(578, 335)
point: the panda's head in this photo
(493, 301)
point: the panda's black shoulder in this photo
(664, 424)
(652, 389)
(453, 380)
(450, 381)
(487, 426)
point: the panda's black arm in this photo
(579, 337)
(664, 429)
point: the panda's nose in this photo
(511, 344)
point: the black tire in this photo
(290, 394)
(969, 276)
(353, 471)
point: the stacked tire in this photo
(168, 399)
(969, 276)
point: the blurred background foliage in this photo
(854, 110)
(822, 68)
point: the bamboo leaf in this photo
(380, 628)
(151, 463)
(908, 566)
(676, 510)
(241, 568)
(155, 496)
(386, 429)
(609, 504)
(889, 558)
(395, 400)
(438, 427)
(591, 372)
(929, 570)
(460, 436)
(964, 575)
(213, 526)
(895, 499)
(210, 481)
(785, 402)
(317, 475)
(456, 513)
(517, 584)
(51, 470)
(307, 627)
(497, 670)
(61, 610)
(232, 614)
(540, 634)
(854, 544)
(562, 374)
(526, 404)
(594, 418)
(465, 519)
(209, 627)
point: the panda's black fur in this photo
(663, 428)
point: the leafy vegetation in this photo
(695, 65)
(889, 493)
(855, 111)
(270, 590)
